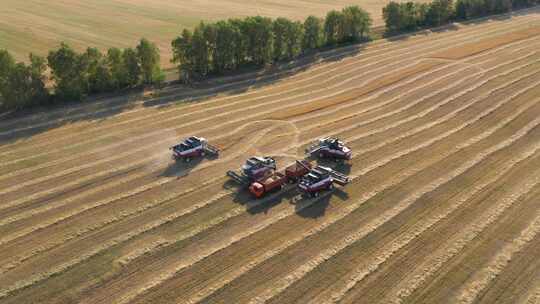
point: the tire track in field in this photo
(66, 185)
(404, 239)
(431, 109)
(300, 272)
(481, 280)
(279, 217)
(458, 242)
(534, 298)
(336, 56)
(341, 52)
(148, 135)
(7, 238)
(75, 169)
(11, 175)
(27, 198)
(518, 280)
(483, 196)
(448, 101)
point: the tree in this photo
(131, 67)
(240, 41)
(461, 9)
(22, 85)
(312, 33)
(148, 57)
(279, 29)
(183, 55)
(210, 35)
(69, 72)
(99, 77)
(224, 54)
(334, 27)
(258, 31)
(439, 12)
(117, 68)
(6, 65)
(356, 23)
(293, 39)
(502, 6)
(410, 16)
(200, 52)
(37, 69)
(392, 16)
(287, 38)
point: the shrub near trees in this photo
(232, 44)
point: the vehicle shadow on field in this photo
(180, 168)
(317, 207)
(254, 206)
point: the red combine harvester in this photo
(276, 180)
(319, 179)
(193, 147)
(329, 148)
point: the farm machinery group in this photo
(260, 176)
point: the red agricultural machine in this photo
(320, 179)
(329, 147)
(193, 147)
(259, 181)
(276, 180)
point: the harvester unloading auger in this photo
(193, 147)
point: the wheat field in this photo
(38, 26)
(443, 206)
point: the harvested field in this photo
(39, 25)
(442, 207)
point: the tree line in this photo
(409, 16)
(228, 45)
(71, 75)
(216, 48)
